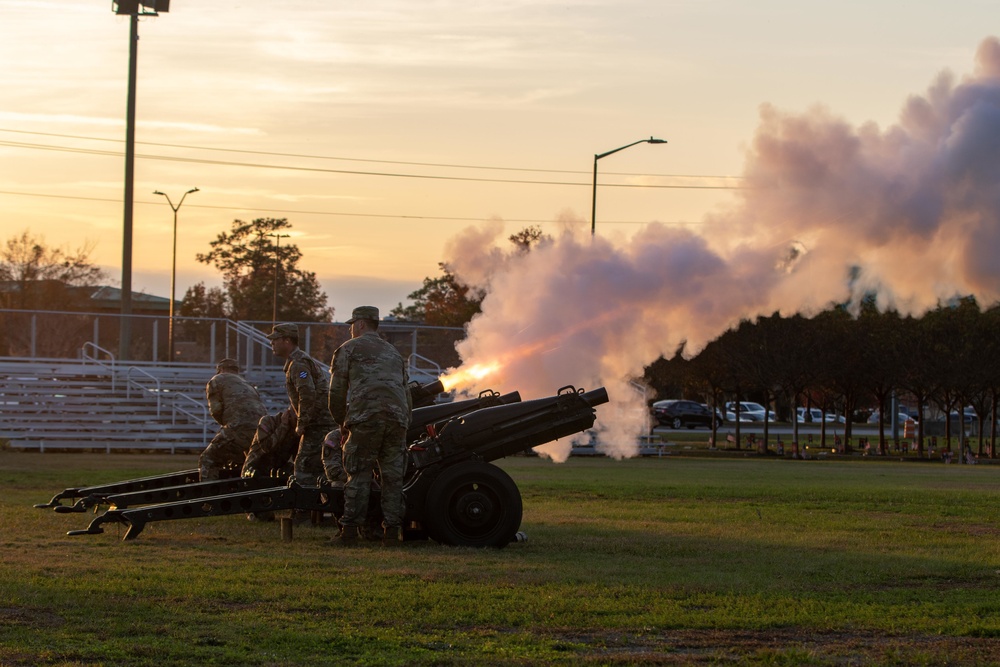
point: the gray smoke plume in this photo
(830, 212)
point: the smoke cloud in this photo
(829, 212)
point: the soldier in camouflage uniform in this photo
(307, 393)
(373, 372)
(235, 404)
(274, 444)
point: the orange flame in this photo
(464, 376)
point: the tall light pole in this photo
(173, 271)
(598, 156)
(277, 267)
(133, 9)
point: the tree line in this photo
(842, 362)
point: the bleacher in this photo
(87, 404)
(61, 404)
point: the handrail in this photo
(198, 419)
(411, 362)
(129, 382)
(96, 360)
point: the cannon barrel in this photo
(424, 394)
(492, 433)
(595, 397)
(421, 418)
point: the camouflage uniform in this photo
(274, 444)
(308, 396)
(333, 457)
(235, 404)
(374, 373)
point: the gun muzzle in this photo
(423, 395)
(595, 397)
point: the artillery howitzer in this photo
(186, 483)
(453, 493)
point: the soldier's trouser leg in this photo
(359, 457)
(309, 458)
(333, 457)
(392, 466)
(221, 452)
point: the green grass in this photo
(676, 560)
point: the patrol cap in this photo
(284, 330)
(364, 313)
(228, 363)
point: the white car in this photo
(749, 411)
(815, 415)
(901, 417)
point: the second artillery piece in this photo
(452, 491)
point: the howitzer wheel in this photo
(473, 504)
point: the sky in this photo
(306, 91)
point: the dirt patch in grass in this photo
(41, 619)
(792, 646)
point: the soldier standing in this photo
(375, 421)
(235, 404)
(307, 394)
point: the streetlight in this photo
(134, 9)
(593, 203)
(173, 271)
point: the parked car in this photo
(679, 413)
(755, 411)
(901, 417)
(815, 415)
(968, 415)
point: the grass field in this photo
(655, 561)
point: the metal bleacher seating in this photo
(61, 404)
(87, 404)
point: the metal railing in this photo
(129, 383)
(201, 418)
(96, 359)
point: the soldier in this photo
(274, 444)
(373, 372)
(307, 394)
(235, 404)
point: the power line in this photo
(398, 216)
(374, 161)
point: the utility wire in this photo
(399, 216)
(322, 157)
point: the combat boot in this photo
(393, 536)
(347, 537)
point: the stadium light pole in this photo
(598, 156)
(277, 267)
(173, 271)
(133, 9)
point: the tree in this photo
(248, 257)
(442, 301)
(35, 276)
(528, 237)
(200, 301)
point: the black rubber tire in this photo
(473, 504)
(678, 423)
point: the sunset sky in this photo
(383, 129)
